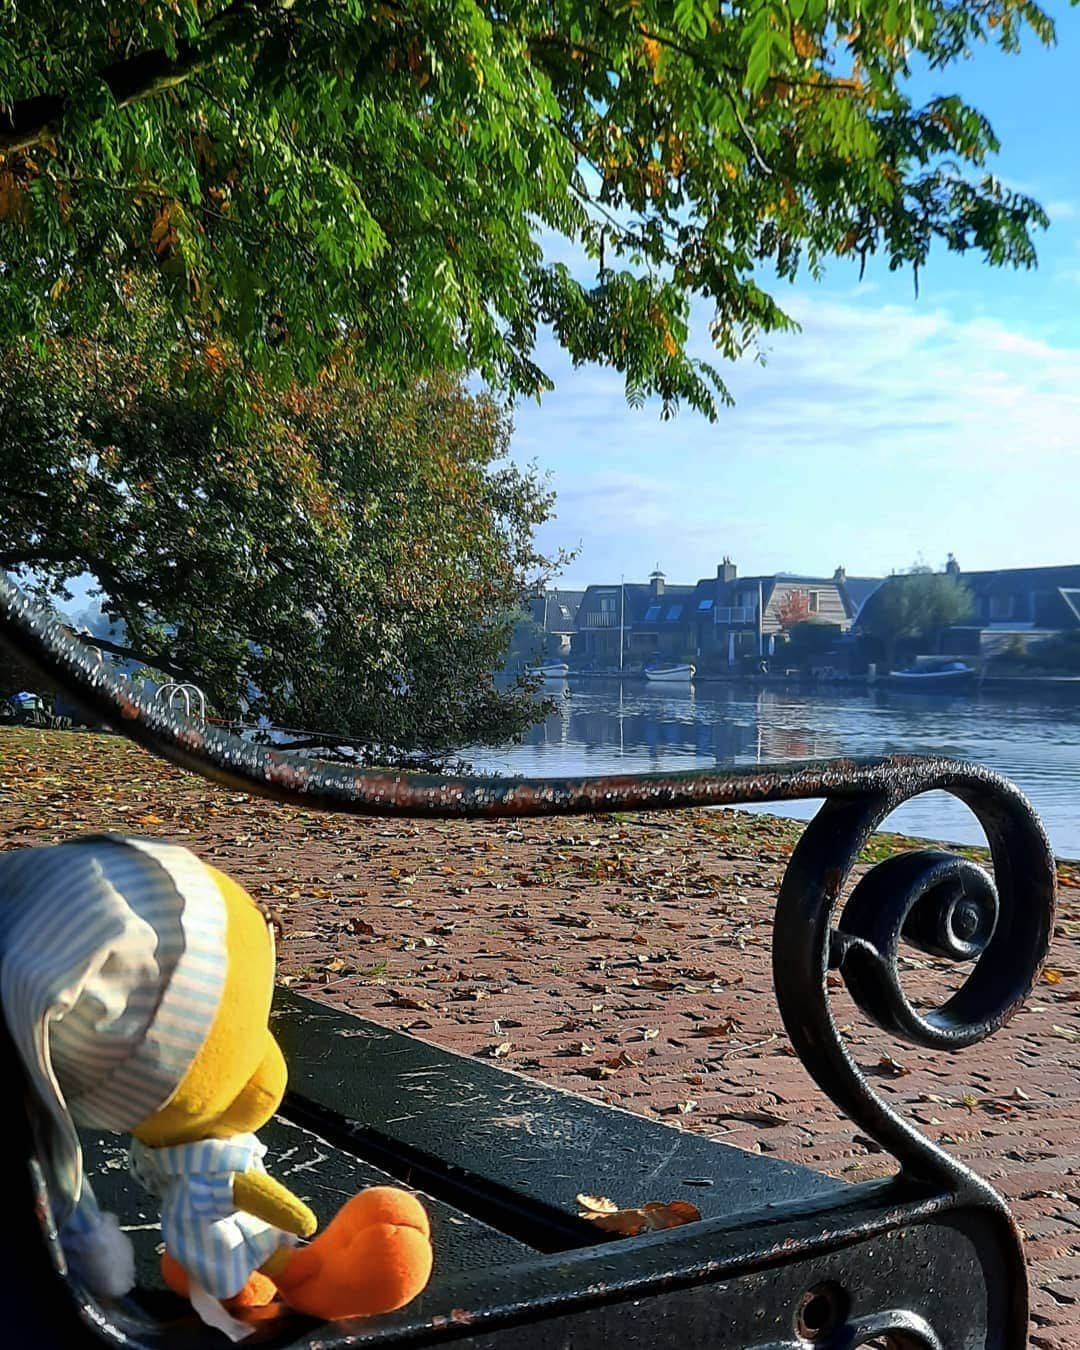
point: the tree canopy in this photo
(914, 603)
(350, 555)
(312, 175)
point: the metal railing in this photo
(173, 693)
(733, 614)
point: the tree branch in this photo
(28, 121)
(155, 662)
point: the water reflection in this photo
(611, 727)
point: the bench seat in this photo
(783, 1257)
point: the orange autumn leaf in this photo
(648, 1218)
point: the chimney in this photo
(840, 575)
(727, 571)
(952, 567)
(656, 583)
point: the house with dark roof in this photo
(1015, 606)
(714, 622)
(725, 610)
(554, 612)
(605, 620)
(662, 632)
(855, 592)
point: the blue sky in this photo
(891, 428)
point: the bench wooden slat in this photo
(509, 1150)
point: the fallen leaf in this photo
(650, 1033)
(592, 1205)
(407, 1001)
(622, 1061)
(650, 1218)
(889, 1065)
(724, 1028)
(1052, 976)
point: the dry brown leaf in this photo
(622, 1061)
(650, 1218)
(889, 1065)
(413, 1004)
(724, 1028)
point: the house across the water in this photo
(717, 622)
(1015, 607)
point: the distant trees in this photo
(915, 603)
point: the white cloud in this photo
(881, 431)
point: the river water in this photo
(608, 726)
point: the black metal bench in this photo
(783, 1257)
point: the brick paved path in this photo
(626, 959)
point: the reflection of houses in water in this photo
(662, 727)
(783, 733)
(720, 729)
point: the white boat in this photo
(940, 675)
(549, 670)
(670, 673)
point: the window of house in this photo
(564, 612)
(607, 604)
(673, 613)
(652, 614)
(705, 604)
(1001, 607)
(812, 600)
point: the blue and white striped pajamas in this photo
(217, 1244)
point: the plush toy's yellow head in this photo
(237, 1080)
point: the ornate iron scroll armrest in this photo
(942, 902)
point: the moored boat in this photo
(670, 673)
(549, 670)
(940, 675)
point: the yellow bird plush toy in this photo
(136, 984)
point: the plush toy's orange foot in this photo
(375, 1256)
